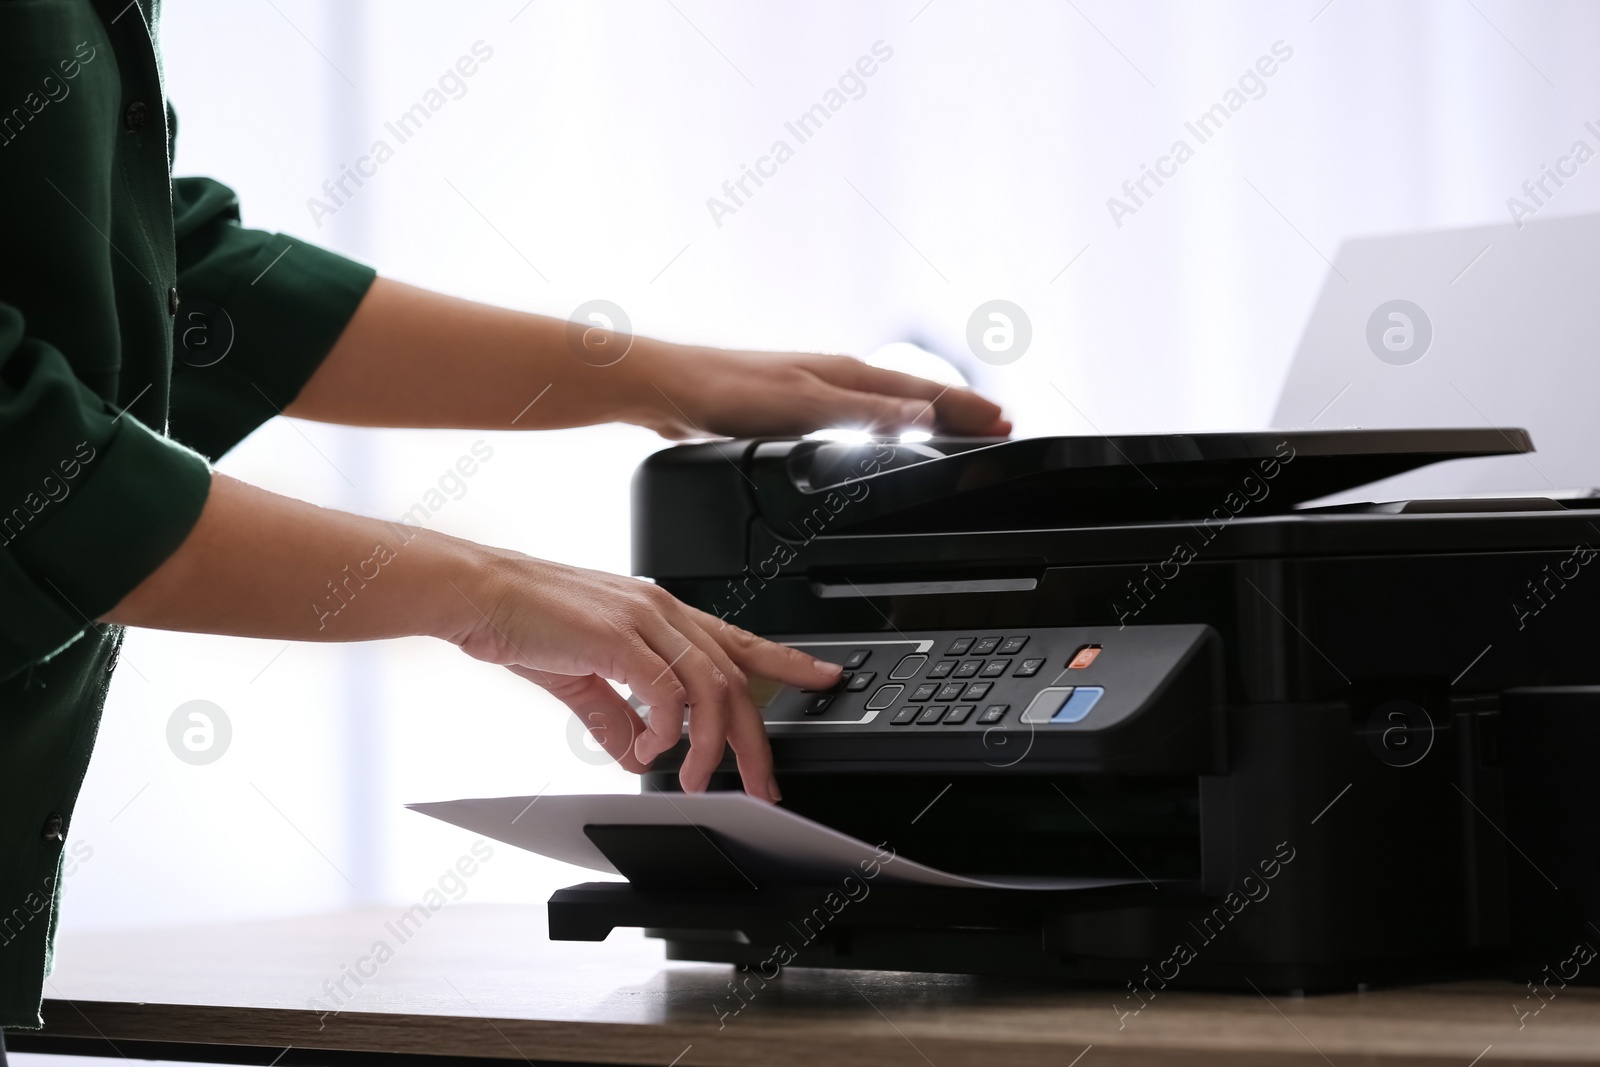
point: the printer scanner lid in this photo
(954, 484)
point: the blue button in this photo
(1083, 698)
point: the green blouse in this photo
(105, 436)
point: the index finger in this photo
(959, 409)
(757, 655)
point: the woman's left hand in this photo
(683, 391)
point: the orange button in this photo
(1085, 656)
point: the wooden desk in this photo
(482, 981)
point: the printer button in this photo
(925, 691)
(886, 695)
(857, 658)
(942, 669)
(905, 715)
(1028, 668)
(820, 704)
(1046, 702)
(959, 713)
(969, 668)
(986, 646)
(860, 681)
(908, 667)
(994, 713)
(977, 691)
(1012, 645)
(951, 691)
(959, 646)
(931, 714)
(995, 668)
(1084, 657)
(1078, 705)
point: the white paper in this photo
(791, 844)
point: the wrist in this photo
(654, 386)
(466, 586)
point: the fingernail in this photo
(825, 667)
(772, 788)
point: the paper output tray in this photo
(758, 918)
(721, 876)
(693, 883)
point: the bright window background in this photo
(577, 164)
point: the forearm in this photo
(262, 565)
(413, 358)
(410, 357)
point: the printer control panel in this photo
(1043, 678)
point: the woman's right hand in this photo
(569, 630)
(261, 565)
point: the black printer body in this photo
(1310, 747)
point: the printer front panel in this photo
(1031, 738)
(1098, 699)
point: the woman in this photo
(111, 516)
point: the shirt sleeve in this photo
(93, 499)
(258, 313)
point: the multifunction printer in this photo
(1285, 743)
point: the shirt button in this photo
(52, 828)
(172, 300)
(134, 117)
